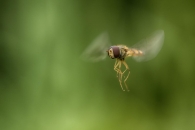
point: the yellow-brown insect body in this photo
(119, 53)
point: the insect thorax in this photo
(123, 52)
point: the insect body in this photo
(142, 51)
(120, 53)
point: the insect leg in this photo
(120, 75)
(127, 68)
(117, 67)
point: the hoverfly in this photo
(142, 51)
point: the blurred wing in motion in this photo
(96, 51)
(150, 46)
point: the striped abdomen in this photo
(134, 52)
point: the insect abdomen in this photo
(134, 52)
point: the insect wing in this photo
(96, 51)
(150, 46)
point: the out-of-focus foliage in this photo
(44, 85)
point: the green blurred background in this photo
(44, 85)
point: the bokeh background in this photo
(44, 85)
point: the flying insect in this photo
(144, 50)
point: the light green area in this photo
(44, 85)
